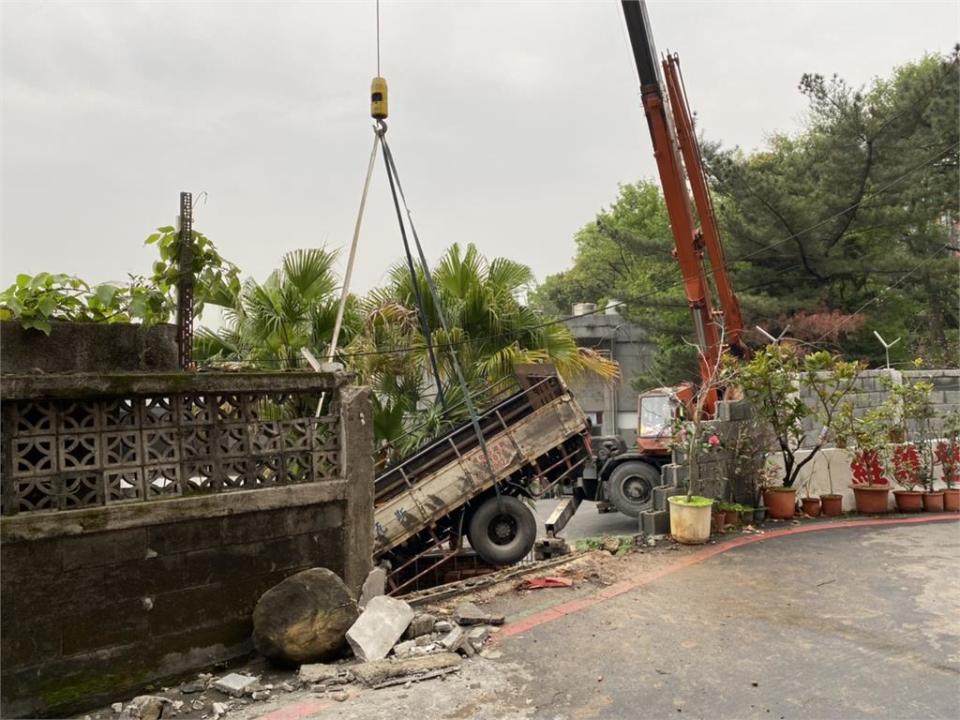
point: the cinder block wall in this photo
(152, 581)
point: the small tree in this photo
(772, 382)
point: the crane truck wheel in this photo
(631, 487)
(502, 530)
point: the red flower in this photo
(713, 440)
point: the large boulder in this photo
(304, 618)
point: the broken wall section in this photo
(145, 514)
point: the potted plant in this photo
(907, 469)
(809, 505)
(871, 490)
(746, 514)
(831, 504)
(947, 454)
(770, 381)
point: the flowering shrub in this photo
(907, 466)
(867, 467)
(948, 456)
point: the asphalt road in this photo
(857, 623)
(587, 522)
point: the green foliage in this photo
(771, 381)
(849, 224)
(37, 300)
(268, 323)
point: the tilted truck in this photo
(537, 438)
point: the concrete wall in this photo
(87, 347)
(626, 344)
(140, 584)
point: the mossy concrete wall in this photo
(87, 347)
(96, 603)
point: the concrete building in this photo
(612, 407)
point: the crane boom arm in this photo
(675, 194)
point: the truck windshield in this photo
(655, 415)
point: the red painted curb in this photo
(617, 589)
(297, 710)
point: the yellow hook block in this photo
(378, 98)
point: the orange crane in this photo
(626, 477)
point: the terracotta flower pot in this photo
(717, 521)
(951, 499)
(831, 505)
(933, 501)
(810, 506)
(780, 502)
(908, 501)
(731, 517)
(871, 499)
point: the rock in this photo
(478, 636)
(491, 654)
(318, 673)
(378, 628)
(193, 686)
(197, 705)
(422, 624)
(304, 618)
(338, 695)
(443, 626)
(404, 648)
(423, 641)
(373, 586)
(145, 707)
(452, 640)
(177, 705)
(117, 708)
(374, 673)
(467, 648)
(285, 687)
(260, 695)
(235, 684)
(219, 709)
(469, 614)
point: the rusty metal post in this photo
(185, 282)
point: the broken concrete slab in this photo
(374, 586)
(378, 628)
(469, 614)
(372, 674)
(422, 624)
(236, 684)
(404, 648)
(318, 673)
(443, 626)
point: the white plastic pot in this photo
(689, 524)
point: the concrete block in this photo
(453, 639)
(469, 614)
(318, 673)
(373, 586)
(478, 636)
(660, 495)
(655, 522)
(422, 624)
(670, 474)
(405, 648)
(235, 684)
(379, 627)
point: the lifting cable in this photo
(379, 112)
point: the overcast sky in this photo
(511, 122)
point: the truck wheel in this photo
(502, 530)
(631, 487)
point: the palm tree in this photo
(490, 330)
(268, 323)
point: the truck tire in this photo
(630, 487)
(502, 530)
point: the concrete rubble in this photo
(382, 622)
(236, 684)
(374, 586)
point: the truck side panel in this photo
(448, 488)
